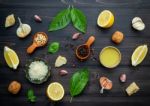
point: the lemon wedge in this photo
(10, 20)
(55, 91)
(11, 58)
(139, 54)
(105, 19)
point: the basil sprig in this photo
(64, 17)
(53, 47)
(78, 81)
(30, 96)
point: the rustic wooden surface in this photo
(124, 11)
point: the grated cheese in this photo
(38, 70)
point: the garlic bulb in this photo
(138, 24)
(23, 30)
(10, 20)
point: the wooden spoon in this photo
(83, 51)
(38, 41)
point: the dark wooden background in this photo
(124, 11)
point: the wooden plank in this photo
(124, 12)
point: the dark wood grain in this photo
(124, 11)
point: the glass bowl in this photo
(33, 80)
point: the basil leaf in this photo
(79, 20)
(53, 47)
(30, 95)
(61, 20)
(78, 81)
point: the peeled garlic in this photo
(138, 24)
(10, 20)
(23, 30)
(60, 61)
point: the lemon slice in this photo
(11, 57)
(105, 19)
(139, 55)
(55, 91)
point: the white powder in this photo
(38, 70)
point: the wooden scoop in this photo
(40, 39)
(83, 51)
(105, 84)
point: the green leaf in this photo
(33, 99)
(53, 47)
(30, 95)
(78, 81)
(61, 20)
(79, 20)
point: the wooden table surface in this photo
(124, 11)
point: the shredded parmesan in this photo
(38, 70)
(40, 39)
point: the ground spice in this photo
(83, 51)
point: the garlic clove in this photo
(76, 36)
(23, 30)
(37, 18)
(10, 20)
(138, 24)
(123, 78)
(63, 72)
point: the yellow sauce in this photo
(110, 57)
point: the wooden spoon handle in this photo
(31, 48)
(90, 41)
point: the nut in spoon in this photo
(40, 39)
(83, 51)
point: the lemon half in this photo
(11, 57)
(105, 19)
(139, 54)
(55, 91)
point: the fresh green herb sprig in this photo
(64, 17)
(53, 47)
(30, 96)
